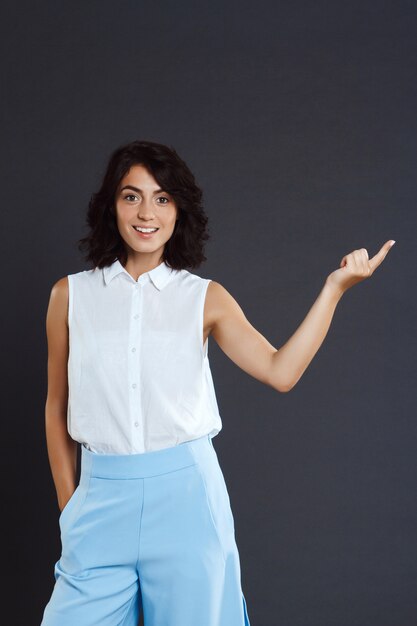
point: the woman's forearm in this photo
(292, 359)
(290, 362)
(62, 454)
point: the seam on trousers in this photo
(210, 511)
(142, 477)
(127, 610)
(178, 469)
(140, 522)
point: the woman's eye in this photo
(131, 195)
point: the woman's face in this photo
(140, 202)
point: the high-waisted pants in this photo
(151, 532)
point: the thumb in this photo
(376, 260)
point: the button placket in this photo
(134, 368)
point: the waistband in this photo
(143, 465)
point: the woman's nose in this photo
(145, 210)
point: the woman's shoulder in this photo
(60, 287)
(58, 299)
(215, 292)
(62, 284)
(219, 301)
(188, 276)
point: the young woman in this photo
(149, 527)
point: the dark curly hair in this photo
(185, 248)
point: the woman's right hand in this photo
(63, 500)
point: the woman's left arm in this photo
(283, 368)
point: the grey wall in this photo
(299, 117)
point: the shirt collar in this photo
(159, 274)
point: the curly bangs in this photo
(185, 248)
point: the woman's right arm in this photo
(62, 449)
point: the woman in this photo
(149, 526)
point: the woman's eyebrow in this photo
(138, 189)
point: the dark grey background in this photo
(299, 122)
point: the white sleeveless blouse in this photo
(139, 377)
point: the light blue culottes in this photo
(151, 532)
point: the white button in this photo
(134, 385)
(133, 349)
(136, 423)
(135, 316)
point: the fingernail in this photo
(392, 243)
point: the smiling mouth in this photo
(145, 231)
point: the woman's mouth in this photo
(145, 233)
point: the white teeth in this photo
(145, 230)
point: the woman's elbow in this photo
(281, 386)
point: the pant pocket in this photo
(216, 470)
(218, 504)
(70, 510)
